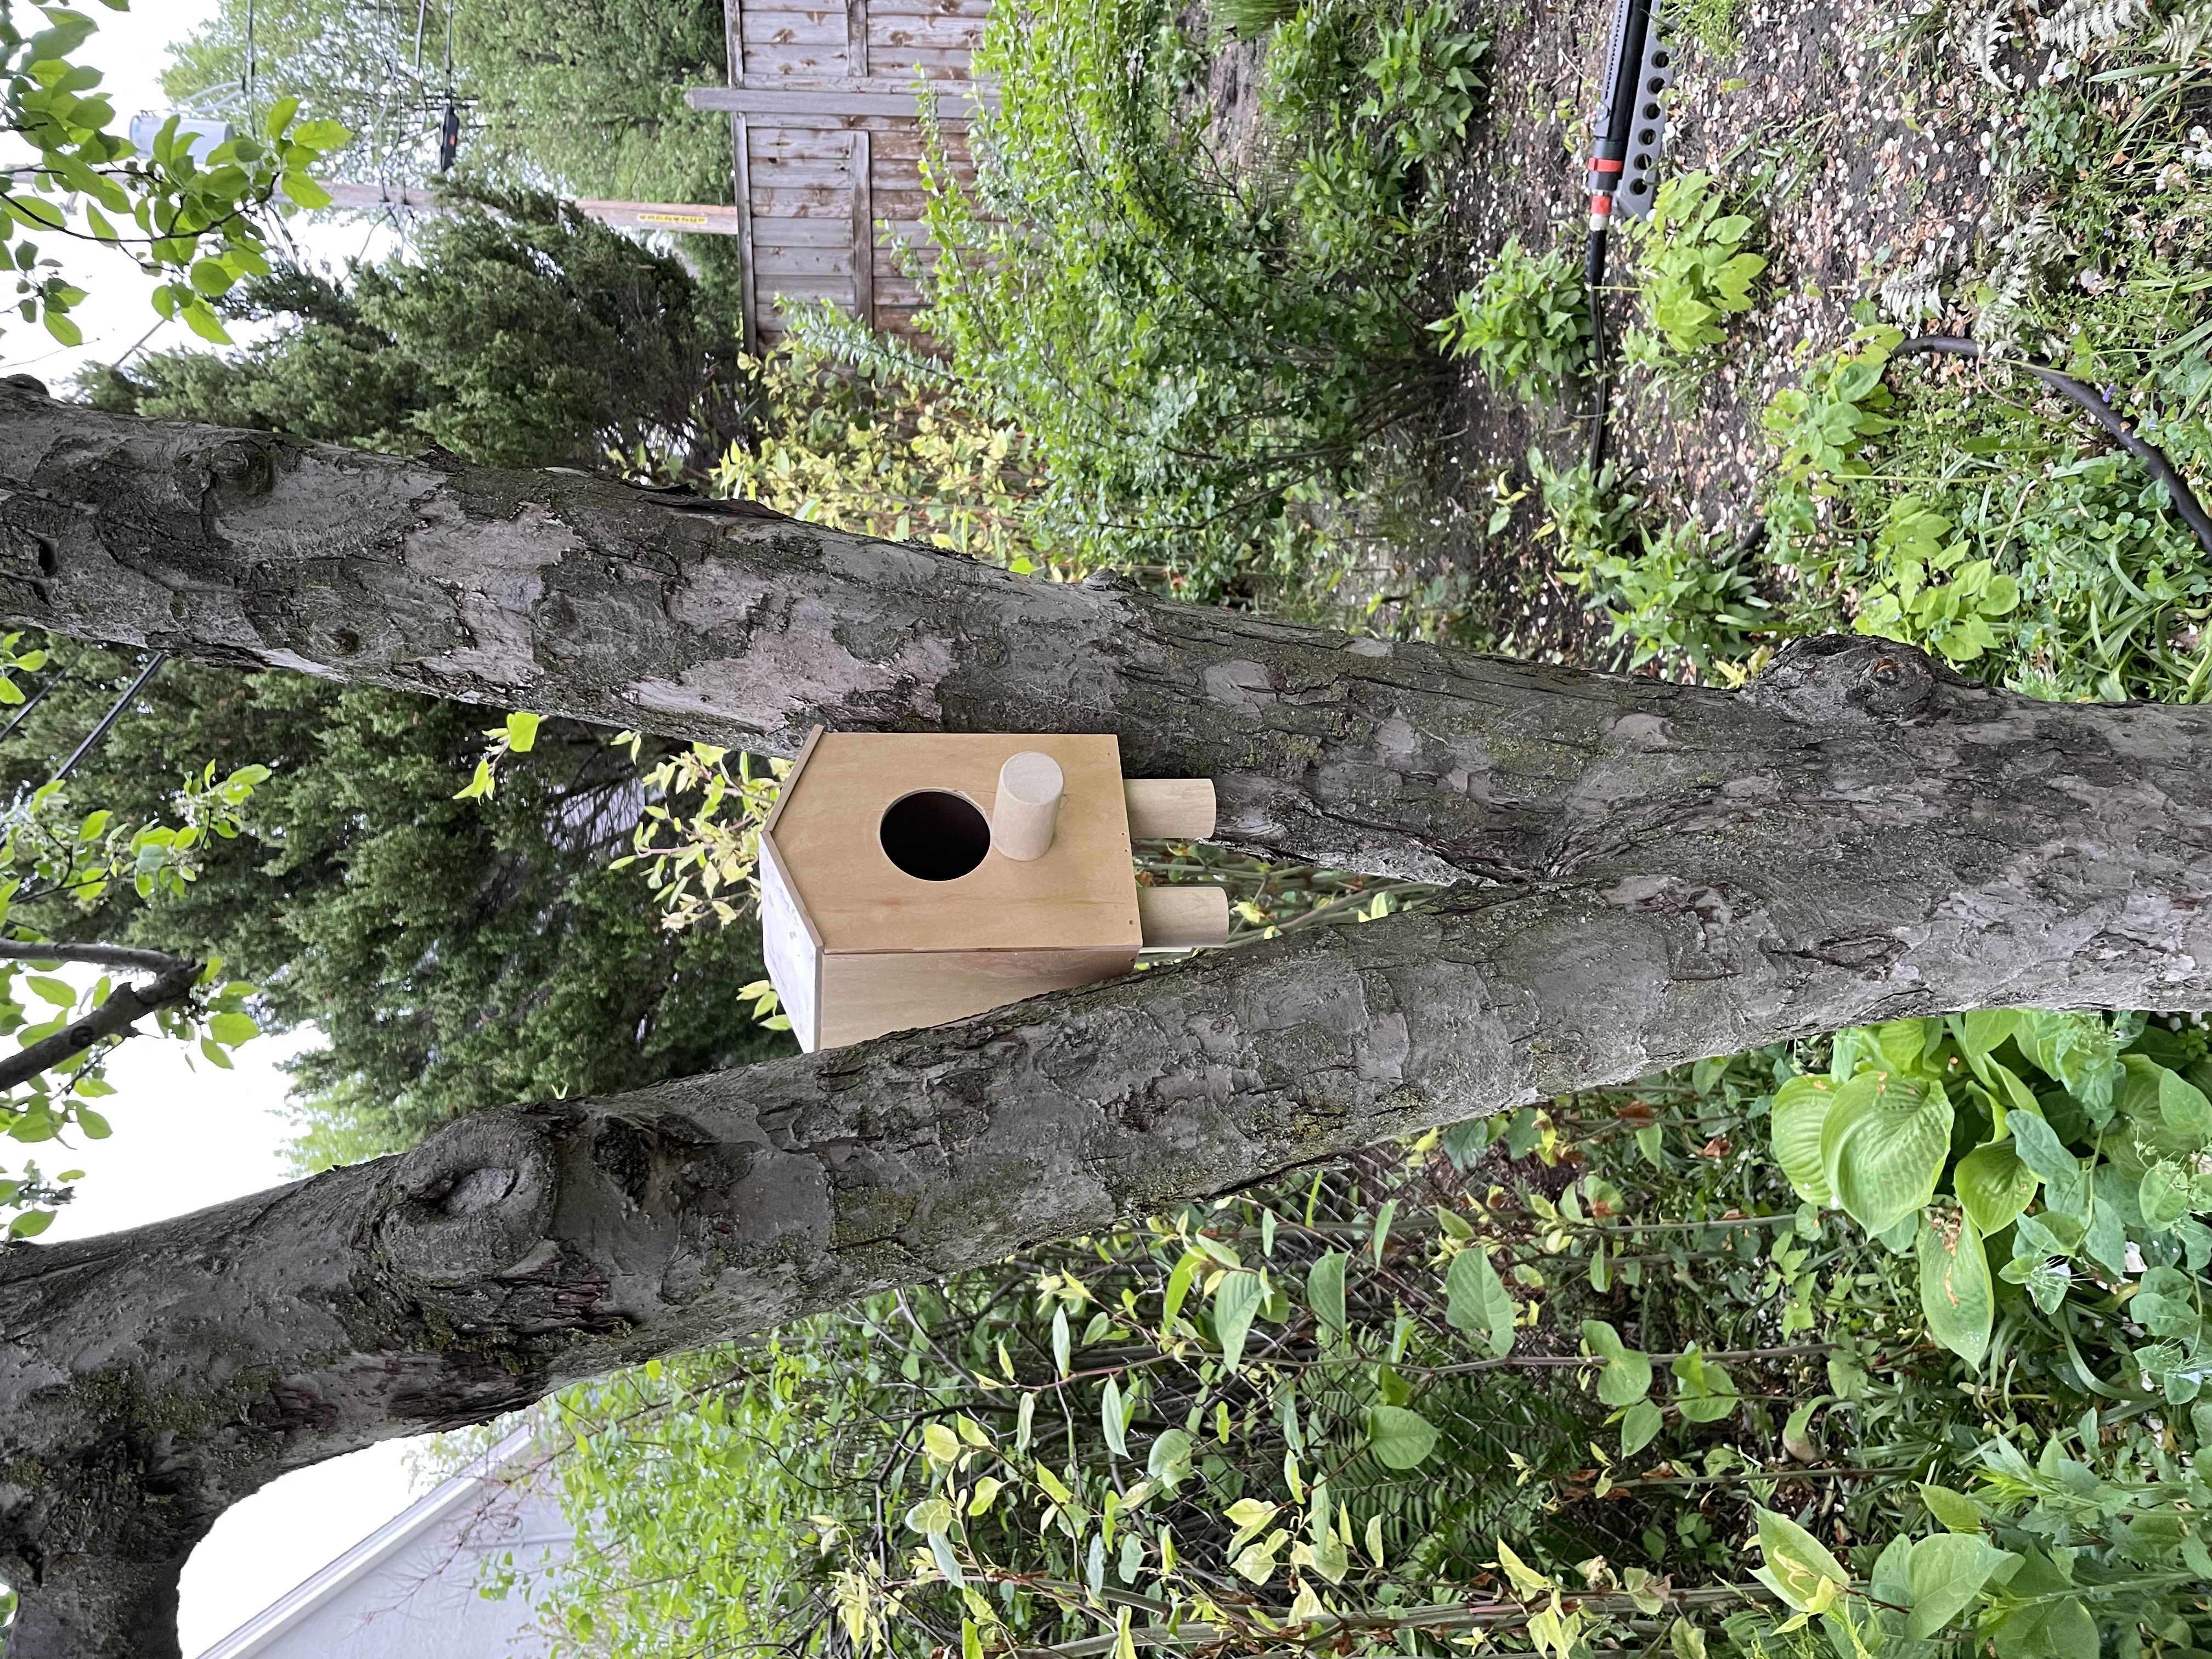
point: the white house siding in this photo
(409, 1590)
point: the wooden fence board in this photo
(827, 142)
(975, 9)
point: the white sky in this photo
(185, 1138)
(130, 51)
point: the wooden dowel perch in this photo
(1027, 811)
(1170, 808)
(1182, 918)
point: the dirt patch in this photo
(1876, 158)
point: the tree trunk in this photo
(1674, 872)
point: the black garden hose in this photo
(2088, 398)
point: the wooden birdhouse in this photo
(911, 878)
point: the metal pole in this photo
(107, 721)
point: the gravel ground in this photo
(1877, 155)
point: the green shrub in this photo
(1681, 600)
(1526, 325)
(1194, 343)
(1692, 271)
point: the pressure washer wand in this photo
(1627, 135)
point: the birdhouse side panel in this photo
(868, 995)
(788, 946)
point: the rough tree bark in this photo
(1660, 873)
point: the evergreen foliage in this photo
(521, 334)
(455, 954)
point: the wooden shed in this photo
(826, 137)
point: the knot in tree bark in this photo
(1840, 676)
(474, 1199)
(241, 470)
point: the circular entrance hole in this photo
(935, 834)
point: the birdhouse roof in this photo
(825, 841)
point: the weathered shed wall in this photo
(827, 141)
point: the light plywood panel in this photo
(867, 995)
(792, 952)
(1080, 895)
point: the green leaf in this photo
(203, 322)
(1945, 1573)
(1956, 1296)
(2164, 1196)
(62, 328)
(1325, 1290)
(60, 992)
(1626, 1378)
(521, 730)
(1957, 1511)
(280, 117)
(1797, 1566)
(481, 785)
(1060, 1340)
(1994, 1186)
(1236, 1303)
(1110, 1419)
(1168, 1460)
(1986, 1031)
(941, 1444)
(324, 135)
(940, 1546)
(1704, 1392)
(2183, 1107)
(95, 1126)
(1884, 1145)
(1477, 1300)
(1399, 1436)
(1178, 1287)
(305, 191)
(1800, 1109)
(2055, 1625)
(30, 1224)
(232, 1028)
(2041, 1150)
(1640, 1426)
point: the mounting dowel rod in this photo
(1170, 808)
(1182, 918)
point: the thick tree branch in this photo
(668, 613)
(1860, 835)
